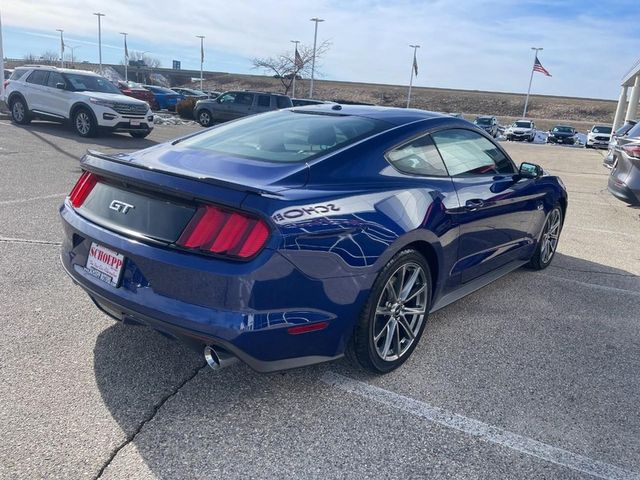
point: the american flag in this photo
(298, 62)
(415, 63)
(537, 67)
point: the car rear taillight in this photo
(6, 84)
(632, 150)
(83, 187)
(224, 232)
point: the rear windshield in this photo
(601, 129)
(634, 132)
(286, 136)
(623, 130)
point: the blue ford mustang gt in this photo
(294, 237)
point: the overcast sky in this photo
(467, 44)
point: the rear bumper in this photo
(245, 308)
(622, 192)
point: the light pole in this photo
(295, 67)
(313, 60)
(126, 56)
(73, 58)
(99, 15)
(414, 68)
(201, 37)
(61, 47)
(526, 102)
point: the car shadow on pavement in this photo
(553, 343)
(119, 140)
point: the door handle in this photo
(473, 204)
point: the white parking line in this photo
(479, 429)
(21, 200)
(601, 230)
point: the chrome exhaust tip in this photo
(218, 359)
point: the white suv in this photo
(598, 136)
(86, 100)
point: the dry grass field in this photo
(546, 110)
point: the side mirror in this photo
(60, 85)
(529, 170)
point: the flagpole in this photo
(526, 102)
(413, 63)
(100, 15)
(201, 37)
(295, 68)
(126, 56)
(61, 47)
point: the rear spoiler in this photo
(118, 166)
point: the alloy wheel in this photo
(83, 123)
(205, 119)
(400, 311)
(18, 111)
(550, 236)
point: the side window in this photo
(264, 101)
(244, 99)
(17, 74)
(283, 102)
(467, 153)
(419, 157)
(54, 79)
(227, 98)
(38, 77)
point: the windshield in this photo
(286, 136)
(601, 129)
(562, 130)
(483, 121)
(522, 124)
(91, 83)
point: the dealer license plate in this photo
(105, 264)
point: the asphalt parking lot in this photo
(534, 376)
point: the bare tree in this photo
(30, 58)
(149, 61)
(49, 57)
(285, 67)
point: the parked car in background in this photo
(296, 236)
(565, 134)
(237, 104)
(521, 130)
(621, 132)
(165, 97)
(136, 90)
(88, 101)
(487, 123)
(190, 92)
(7, 73)
(211, 93)
(624, 180)
(302, 102)
(598, 137)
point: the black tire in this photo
(140, 134)
(362, 346)
(19, 111)
(531, 139)
(84, 124)
(203, 117)
(540, 259)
